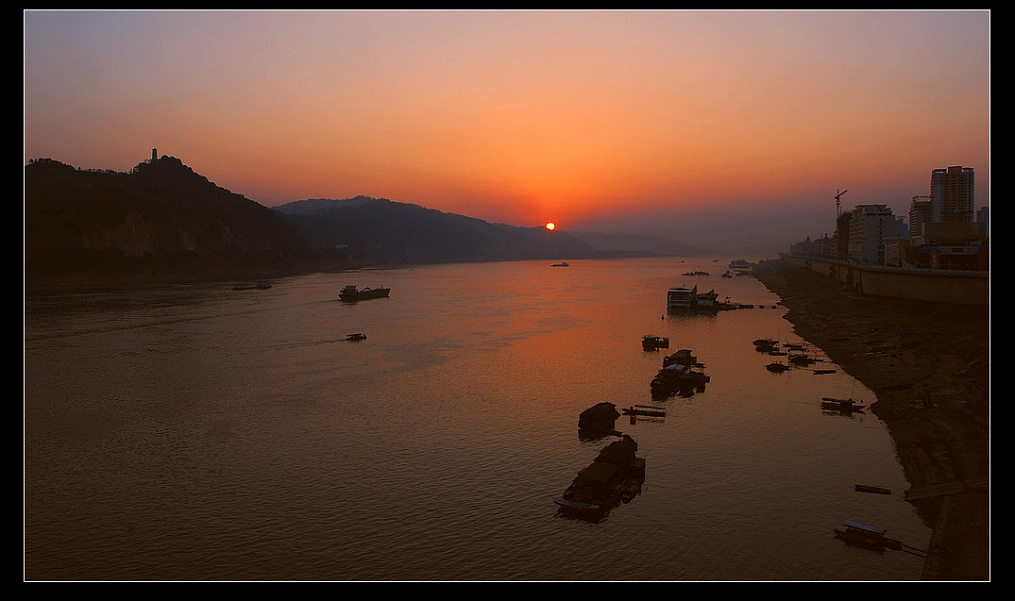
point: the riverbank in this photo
(929, 366)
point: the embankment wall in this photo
(959, 287)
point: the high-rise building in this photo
(951, 193)
(871, 232)
(920, 212)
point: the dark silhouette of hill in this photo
(162, 220)
(159, 220)
(383, 231)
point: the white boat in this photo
(682, 297)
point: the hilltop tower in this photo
(155, 154)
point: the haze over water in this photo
(196, 432)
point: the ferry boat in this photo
(682, 297)
(351, 293)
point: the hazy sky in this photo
(716, 128)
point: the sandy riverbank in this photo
(929, 365)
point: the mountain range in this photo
(162, 220)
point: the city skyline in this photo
(704, 126)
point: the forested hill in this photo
(161, 220)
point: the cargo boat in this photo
(351, 293)
(614, 477)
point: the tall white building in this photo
(872, 231)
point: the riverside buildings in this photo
(944, 231)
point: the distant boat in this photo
(561, 264)
(351, 293)
(777, 367)
(261, 285)
(355, 337)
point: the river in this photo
(194, 432)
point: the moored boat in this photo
(683, 357)
(867, 536)
(681, 297)
(874, 489)
(842, 404)
(598, 420)
(615, 476)
(679, 377)
(352, 293)
(653, 343)
(645, 411)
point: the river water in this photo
(194, 432)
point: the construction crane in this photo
(838, 202)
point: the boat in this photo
(874, 489)
(261, 285)
(615, 476)
(561, 264)
(681, 297)
(645, 410)
(355, 337)
(842, 404)
(708, 301)
(653, 343)
(866, 536)
(777, 368)
(801, 359)
(684, 356)
(824, 371)
(598, 419)
(351, 293)
(679, 377)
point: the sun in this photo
(550, 226)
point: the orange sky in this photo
(670, 123)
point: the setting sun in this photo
(550, 226)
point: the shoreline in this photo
(929, 366)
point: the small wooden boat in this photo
(875, 489)
(842, 404)
(355, 337)
(645, 410)
(866, 536)
(777, 367)
(824, 371)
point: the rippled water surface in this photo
(196, 432)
